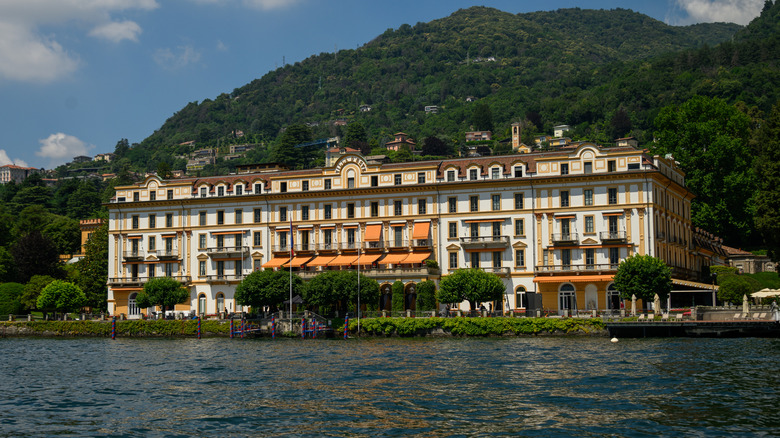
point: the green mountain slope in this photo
(559, 64)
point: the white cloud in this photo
(117, 31)
(60, 148)
(30, 53)
(222, 47)
(267, 5)
(709, 11)
(182, 57)
(4, 160)
(25, 56)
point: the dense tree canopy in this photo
(337, 290)
(643, 276)
(61, 296)
(710, 140)
(267, 288)
(472, 285)
(162, 291)
(767, 166)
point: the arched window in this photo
(220, 302)
(566, 297)
(521, 300)
(201, 304)
(132, 308)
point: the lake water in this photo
(546, 386)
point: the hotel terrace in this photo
(554, 223)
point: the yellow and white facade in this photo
(554, 223)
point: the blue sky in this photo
(76, 76)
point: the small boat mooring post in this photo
(346, 326)
(113, 327)
(199, 327)
(273, 326)
(231, 328)
(303, 327)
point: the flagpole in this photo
(358, 284)
(292, 241)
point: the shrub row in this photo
(477, 326)
(123, 328)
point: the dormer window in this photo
(203, 192)
(495, 173)
(239, 189)
(450, 175)
(221, 191)
(473, 174)
(518, 171)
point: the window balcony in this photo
(400, 243)
(501, 271)
(221, 252)
(377, 244)
(141, 280)
(224, 278)
(325, 247)
(613, 236)
(565, 238)
(484, 242)
(422, 243)
(590, 268)
(134, 256)
(165, 254)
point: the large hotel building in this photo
(555, 224)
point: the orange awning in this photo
(297, 261)
(421, 230)
(416, 257)
(321, 261)
(614, 213)
(135, 237)
(373, 232)
(343, 260)
(225, 233)
(565, 216)
(394, 258)
(573, 279)
(367, 259)
(276, 262)
(476, 221)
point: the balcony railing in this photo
(166, 253)
(325, 247)
(221, 278)
(381, 273)
(660, 235)
(134, 255)
(577, 267)
(401, 243)
(613, 236)
(377, 244)
(422, 243)
(227, 251)
(565, 238)
(139, 280)
(498, 270)
(472, 242)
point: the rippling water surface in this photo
(389, 387)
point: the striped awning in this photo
(373, 232)
(393, 258)
(276, 262)
(367, 259)
(343, 260)
(421, 230)
(321, 261)
(416, 257)
(297, 261)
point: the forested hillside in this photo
(534, 62)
